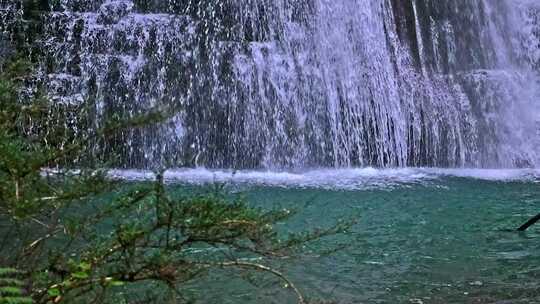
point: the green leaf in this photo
(53, 292)
(85, 266)
(116, 283)
(81, 275)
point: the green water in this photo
(446, 241)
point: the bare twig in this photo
(262, 267)
(529, 223)
(32, 245)
(17, 191)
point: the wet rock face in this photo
(75, 5)
(450, 34)
(111, 12)
(301, 83)
(6, 48)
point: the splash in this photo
(331, 179)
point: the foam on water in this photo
(337, 179)
(504, 175)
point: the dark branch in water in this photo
(531, 222)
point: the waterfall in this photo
(303, 83)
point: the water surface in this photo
(423, 235)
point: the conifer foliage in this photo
(11, 288)
(77, 236)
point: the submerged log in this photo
(529, 223)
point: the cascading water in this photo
(304, 83)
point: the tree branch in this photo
(529, 223)
(261, 267)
